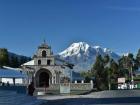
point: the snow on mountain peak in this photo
(97, 47)
(126, 54)
(107, 50)
(75, 49)
(82, 45)
(83, 55)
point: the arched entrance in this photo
(43, 78)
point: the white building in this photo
(12, 76)
(45, 68)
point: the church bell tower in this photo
(44, 55)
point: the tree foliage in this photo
(11, 60)
(126, 64)
(138, 58)
(4, 58)
(87, 75)
(100, 73)
(107, 71)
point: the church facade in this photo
(44, 69)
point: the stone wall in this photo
(73, 86)
(81, 86)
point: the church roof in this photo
(31, 63)
(57, 62)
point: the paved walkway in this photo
(103, 94)
(91, 101)
(124, 97)
(13, 98)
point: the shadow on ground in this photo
(92, 101)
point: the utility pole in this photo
(108, 67)
(109, 85)
(71, 75)
(132, 78)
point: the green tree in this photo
(4, 58)
(87, 75)
(106, 59)
(127, 66)
(106, 73)
(100, 73)
(138, 58)
(114, 74)
(111, 69)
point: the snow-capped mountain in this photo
(125, 54)
(83, 55)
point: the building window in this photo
(39, 62)
(48, 62)
(43, 53)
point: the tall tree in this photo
(114, 68)
(138, 58)
(4, 58)
(127, 66)
(105, 71)
(106, 59)
(87, 75)
(100, 74)
(111, 68)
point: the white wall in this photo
(17, 81)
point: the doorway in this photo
(44, 79)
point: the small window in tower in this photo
(39, 62)
(48, 62)
(43, 53)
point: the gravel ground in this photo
(115, 93)
(120, 97)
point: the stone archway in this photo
(43, 78)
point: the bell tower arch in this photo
(44, 55)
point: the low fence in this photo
(52, 87)
(81, 86)
(73, 86)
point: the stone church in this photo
(45, 68)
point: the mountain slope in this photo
(84, 55)
(11, 59)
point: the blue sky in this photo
(114, 24)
